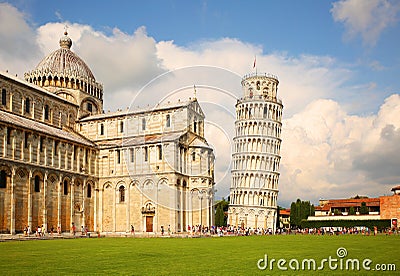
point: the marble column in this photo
(12, 223)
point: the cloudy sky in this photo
(338, 65)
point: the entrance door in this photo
(149, 224)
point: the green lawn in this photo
(191, 256)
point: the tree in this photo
(278, 214)
(220, 212)
(293, 214)
(312, 213)
(219, 216)
(352, 211)
(364, 209)
(300, 210)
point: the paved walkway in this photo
(22, 237)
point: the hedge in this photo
(380, 223)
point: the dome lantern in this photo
(65, 41)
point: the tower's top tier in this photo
(260, 86)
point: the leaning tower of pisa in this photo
(256, 154)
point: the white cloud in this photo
(18, 45)
(367, 18)
(326, 152)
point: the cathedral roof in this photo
(148, 109)
(64, 61)
(36, 126)
(64, 65)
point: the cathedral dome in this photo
(63, 68)
(65, 62)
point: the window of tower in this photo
(265, 111)
(258, 85)
(101, 129)
(89, 107)
(143, 123)
(146, 154)
(168, 119)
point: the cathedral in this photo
(66, 164)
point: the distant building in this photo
(284, 218)
(383, 207)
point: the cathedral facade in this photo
(64, 163)
(256, 154)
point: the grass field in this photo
(192, 256)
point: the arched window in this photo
(168, 124)
(160, 153)
(3, 179)
(3, 96)
(122, 194)
(118, 153)
(121, 127)
(143, 123)
(65, 187)
(9, 135)
(194, 156)
(101, 129)
(89, 191)
(26, 140)
(27, 105)
(37, 183)
(146, 154)
(46, 112)
(132, 151)
(265, 111)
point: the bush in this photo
(381, 224)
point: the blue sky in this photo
(293, 27)
(338, 63)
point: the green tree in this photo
(364, 209)
(293, 214)
(312, 213)
(352, 211)
(300, 210)
(219, 216)
(220, 213)
(278, 214)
